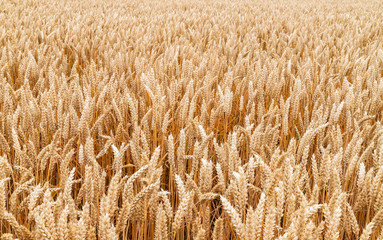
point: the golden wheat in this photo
(191, 119)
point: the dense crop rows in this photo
(191, 120)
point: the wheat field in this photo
(191, 119)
